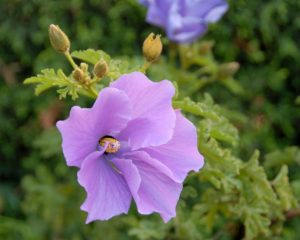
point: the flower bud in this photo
(84, 67)
(152, 47)
(100, 69)
(78, 75)
(228, 69)
(59, 40)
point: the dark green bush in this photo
(39, 195)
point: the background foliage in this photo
(233, 197)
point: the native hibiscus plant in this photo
(131, 144)
(135, 143)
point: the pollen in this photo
(113, 145)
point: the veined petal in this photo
(130, 173)
(184, 20)
(181, 153)
(112, 111)
(199, 8)
(84, 127)
(158, 11)
(185, 29)
(157, 191)
(152, 109)
(217, 11)
(184, 26)
(78, 138)
(107, 192)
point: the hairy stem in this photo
(93, 91)
(70, 59)
(145, 66)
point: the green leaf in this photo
(242, 189)
(256, 223)
(91, 56)
(288, 156)
(284, 190)
(147, 229)
(261, 187)
(234, 86)
(46, 80)
(12, 228)
(49, 78)
(217, 126)
(117, 68)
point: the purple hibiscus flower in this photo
(131, 144)
(184, 20)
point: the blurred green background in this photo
(39, 195)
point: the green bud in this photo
(59, 40)
(78, 75)
(152, 47)
(100, 69)
(84, 67)
(228, 69)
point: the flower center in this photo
(113, 145)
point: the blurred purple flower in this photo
(158, 147)
(184, 20)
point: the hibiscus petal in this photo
(181, 153)
(151, 105)
(157, 191)
(184, 20)
(130, 173)
(107, 192)
(185, 29)
(112, 111)
(184, 26)
(158, 12)
(84, 127)
(217, 11)
(201, 8)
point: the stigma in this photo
(113, 145)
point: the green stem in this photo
(201, 84)
(145, 66)
(93, 91)
(183, 60)
(95, 79)
(70, 59)
(172, 53)
(86, 93)
(193, 109)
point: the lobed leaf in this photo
(91, 56)
(49, 78)
(284, 190)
